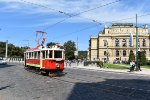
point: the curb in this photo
(129, 73)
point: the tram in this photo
(47, 59)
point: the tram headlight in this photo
(57, 65)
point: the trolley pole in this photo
(6, 49)
(136, 44)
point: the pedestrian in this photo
(66, 63)
(77, 62)
(69, 63)
(138, 65)
(131, 63)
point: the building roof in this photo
(122, 25)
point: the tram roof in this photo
(45, 48)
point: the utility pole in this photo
(136, 44)
(77, 44)
(6, 49)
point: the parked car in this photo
(2, 61)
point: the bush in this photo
(148, 62)
(99, 63)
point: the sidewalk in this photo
(95, 68)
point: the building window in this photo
(117, 42)
(124, 52)
(124, 43)
(105, 53)
(144, 42)
(105, 43)
(117, 53)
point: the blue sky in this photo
(20, 19)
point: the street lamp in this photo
(107, 49)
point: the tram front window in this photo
(57, 54)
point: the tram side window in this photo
(35, 55)
(38, 55)
(57, 54)
(50, 54)
(43, 53)
(29, 55)
(46, 55)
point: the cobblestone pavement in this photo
(16, 83)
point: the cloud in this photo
(119, 10)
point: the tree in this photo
(131, 56)
(70, 48)
(142, 57)
(51, 44)
(82, 55)
(13, 51)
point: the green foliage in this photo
(142, 58)
(82, 55)
(117, 66)
(70, 48)
(51, 44)
(13, 51)
(131, 56)
(99, 63)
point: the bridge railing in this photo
(15, 60)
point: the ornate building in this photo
(115, 42)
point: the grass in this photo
(146, 66)
(122, 66)
(116, 66)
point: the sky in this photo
(65, 20)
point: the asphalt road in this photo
(16, 83)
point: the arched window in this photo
(105, 53)
(144, 42)
(124, 43)
(117, 42)
(124, 52)
(117, 53)
(105, 43)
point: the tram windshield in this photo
(57, 54)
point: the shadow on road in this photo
(2, 88)
(5, 66)
(112, 89)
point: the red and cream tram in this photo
(47, 59)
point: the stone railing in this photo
(15, 60)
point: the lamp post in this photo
(136, 44)
(6, 49)
(107, 50)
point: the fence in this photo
(15, 60)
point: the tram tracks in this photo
(78, 78)
(105, 87)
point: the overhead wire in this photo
(89, 27)
(70, 15)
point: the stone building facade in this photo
(115, 41)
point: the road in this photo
(16, 83)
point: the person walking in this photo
(70, 63)
(131, 63)
(139, 65)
